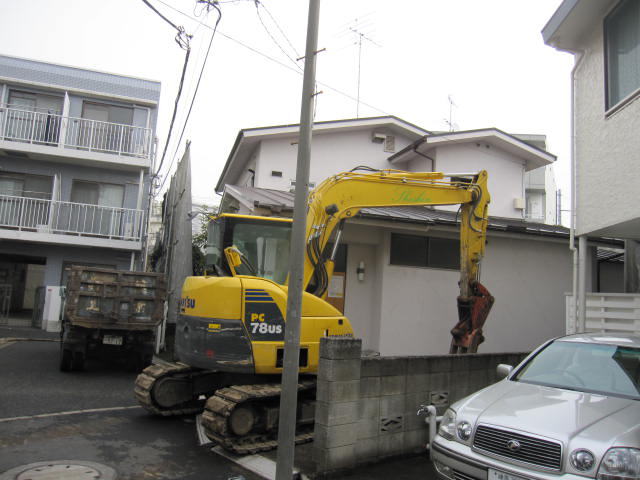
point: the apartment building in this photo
(76, 152)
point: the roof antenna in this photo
(361, 36)
(450, 122)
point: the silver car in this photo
(570, 410)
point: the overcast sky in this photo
(488, 56)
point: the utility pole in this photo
(290, 370)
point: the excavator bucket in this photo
(472, 313)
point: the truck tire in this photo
(66, 360)
(78, 361)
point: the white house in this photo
(604, 37)
(404, 306)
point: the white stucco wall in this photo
(331, 153)
(506, 173)
(527, 277)
(607, 147)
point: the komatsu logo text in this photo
(186, 302)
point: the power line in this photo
(162, 16)
(257, 4)
(175, 109)
(279, 28)
(274, 60)
(183, 40)
(195, 93)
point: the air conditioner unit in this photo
(519, 203)
(377, 137)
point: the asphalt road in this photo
(47, 415)
(123, 436)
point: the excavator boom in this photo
(344, 195)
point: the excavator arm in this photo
(342, 196)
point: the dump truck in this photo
(110, 314)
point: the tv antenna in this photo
(360, 36)
(450, 122)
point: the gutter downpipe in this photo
(579, 261)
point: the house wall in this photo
(506, 173)
(528, 278)
(331, 153)
(607, 147)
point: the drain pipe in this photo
(432, 420)
(572, 239)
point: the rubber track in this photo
(220, 406)
(144, 387)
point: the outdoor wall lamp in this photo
(360, 271)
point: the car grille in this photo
(532, 450)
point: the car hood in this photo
(559, 414)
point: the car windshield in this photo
(586, 367)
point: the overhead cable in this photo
(184, 126)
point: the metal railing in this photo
(52, 216)
(43, 128)
(607, 312)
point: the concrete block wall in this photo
(366, 407)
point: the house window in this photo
(622, 37)
(106, 127)
(419, 251)
(25, 185)
(33, 117)
(102, 194)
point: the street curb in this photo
(24, 339)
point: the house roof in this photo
(279, 201)
(533, 156)
(571, 21)
(248, 138)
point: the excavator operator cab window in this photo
(265, 244)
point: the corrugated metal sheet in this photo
(266, 198)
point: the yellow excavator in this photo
(230, 330)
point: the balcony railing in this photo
(44, 128)
(69, 218)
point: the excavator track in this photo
(232, 410)
(152, 376)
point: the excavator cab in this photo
(264, 241)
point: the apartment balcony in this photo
(45, 135)
(68, 223)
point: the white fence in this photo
(44, 128)
(50, 216)
(607, 312)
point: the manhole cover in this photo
(61, 470)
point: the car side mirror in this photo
(503, 370)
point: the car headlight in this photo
(448, 424)
(620, 463)
(464, 430)
(582, 460)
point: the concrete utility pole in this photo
(290, 370)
